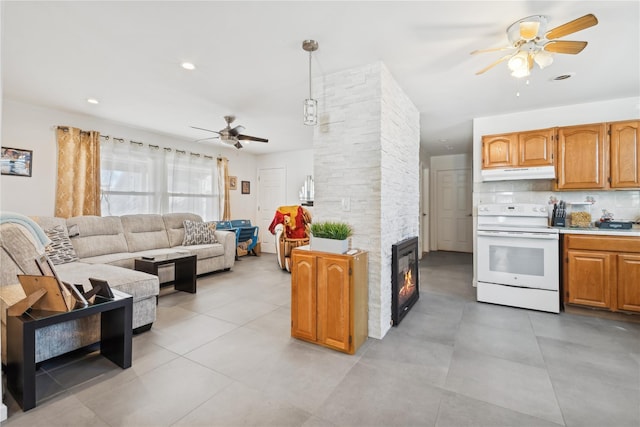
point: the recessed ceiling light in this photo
(188, 66)
(92, 101)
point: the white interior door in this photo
(424, 219)
(271, 195)
(454, 219)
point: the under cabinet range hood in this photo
(508, 174)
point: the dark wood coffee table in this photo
(185, 269)
(115, 340)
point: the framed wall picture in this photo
(233, 183)
(16, 161)
(246, 187)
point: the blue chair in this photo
(244, 232)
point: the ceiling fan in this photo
(231, 136)
(530, 42)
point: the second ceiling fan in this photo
(533, 43)
(231, 136)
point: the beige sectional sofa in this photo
(106, 248)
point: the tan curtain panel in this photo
(78, 181)
(223, 175)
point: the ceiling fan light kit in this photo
(310, 105)
(534, 44)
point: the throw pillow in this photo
(199, 233)
(60, 251)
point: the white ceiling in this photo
(250, 61)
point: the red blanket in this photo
(293, 219)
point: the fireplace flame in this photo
(408, 286)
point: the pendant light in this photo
(310, 104)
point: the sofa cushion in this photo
(97, 235)
(136, 283)
(199, 233)
(204, 251)
(174, 223)
(144, 232)
(60, 250)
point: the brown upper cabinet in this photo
(625, 154)
(582, 156)
(597, 156)
(519, 149)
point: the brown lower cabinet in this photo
(329, 299)
(602, 272)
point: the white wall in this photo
(32, 127)
(297, 165)
(244, 167)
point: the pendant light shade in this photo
(310, 104)
(310, 112)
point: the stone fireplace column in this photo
(367, 170)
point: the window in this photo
(147, 179)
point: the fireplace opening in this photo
(404, 278)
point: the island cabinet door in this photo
(334, 302)
(303, 297)
(590, 277)
(629, 282)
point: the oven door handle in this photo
(518, 234)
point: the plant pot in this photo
(329, 245)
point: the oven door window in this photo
(517, 261)
(507, 259)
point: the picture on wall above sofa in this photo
(16, 161)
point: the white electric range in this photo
(518, 257)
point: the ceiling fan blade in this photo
(561, 46)
(206, 139)
(237, 145)
(252, 138)
(571, 27)
(236, 130)
(493, 64)
(208, 130)
(491, 50)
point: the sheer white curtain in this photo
(192, 184)
(140, 178)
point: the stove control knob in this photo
(543, 209)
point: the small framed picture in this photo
(16, 161)
(246, 187)
(233, 183)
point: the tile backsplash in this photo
(625, 205)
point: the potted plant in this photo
(330, 236)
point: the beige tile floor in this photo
(224, 357)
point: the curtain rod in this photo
(66, 129)
(155, 147)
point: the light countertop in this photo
(633, 232)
